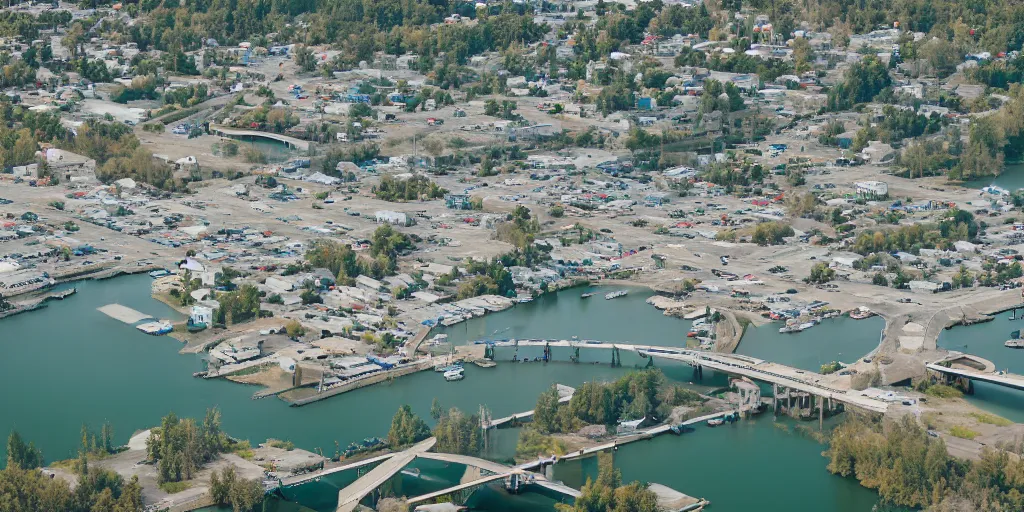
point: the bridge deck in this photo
(474, 483)
(350, 496)
(750, 367)
(291, 141)
(1009, 380)
(301, 479)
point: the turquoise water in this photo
(986, 340)
(1012, 178)
(837, 339)
(562, 315)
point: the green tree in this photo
(21, 455)
(406, 428)
(458, 433)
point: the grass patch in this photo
(991, 419)
(175, 487)
(943, 391)
(177, 115)
(243, 449)
(284, 445)
(962, 432)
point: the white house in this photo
(201, 315)
(872, 189)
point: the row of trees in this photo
(411, 189)
(456, 431)
(638, 394)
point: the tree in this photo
(545, 416)
(21, 455)
(406, 428)
(435, 406)
(608, 494)
(821, 273)
(294, 329)
(458, 433)
(227, 488)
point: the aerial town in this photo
(572, 255)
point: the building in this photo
(201, 315)
(393, 218)
(458, 202)
(70, 166)
(872, 189)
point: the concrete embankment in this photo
(298, 401)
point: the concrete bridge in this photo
(291, 142)
(823, 386)
(967, 366)
(350, 496)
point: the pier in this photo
(123, 313)
(564, 396)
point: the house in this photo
(872, 189)
(458, 202)
(70, 166)
(201, 315)
(393, 218)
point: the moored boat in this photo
(861, 313)
(453, 375)
(714, 422)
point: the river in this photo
(69, 363)
(986, 340)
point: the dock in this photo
(123, 313)
(564, 396)
(368, 380)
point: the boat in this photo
(438, 339)
(196, 326)
(587, 295)
(156, 328)
(616, 294)
(714, 422)
(861, 313)
(453, 375)
(796, 327)
(1015, 341)
(996, 190)
(159, 273)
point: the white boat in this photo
(996, 190)
(156, 328)
(714, 422)
(796, 327)
(453, 375)
(616, 294)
